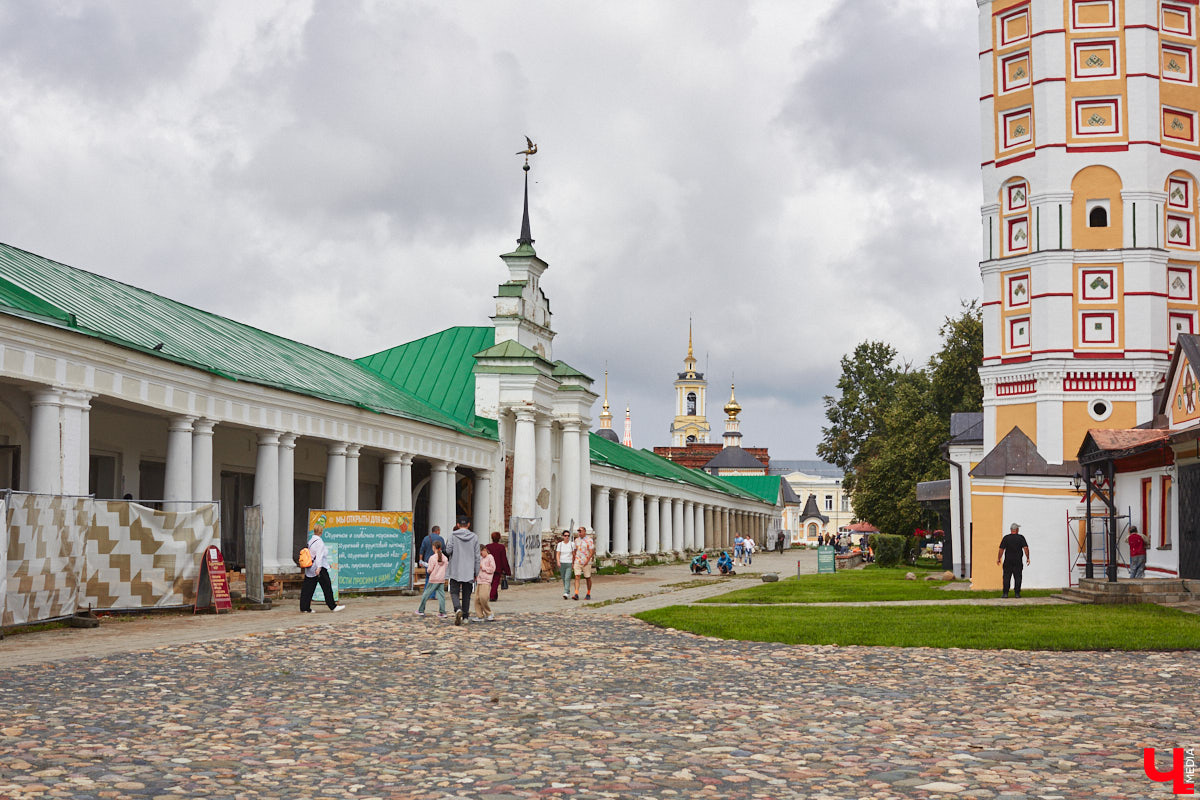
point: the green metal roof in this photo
(564, 370)
(92, 305)
(764, 487)
(509, 348)
(437, 368)
(644, 462)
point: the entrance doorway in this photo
(1189, 521)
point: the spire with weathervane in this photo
(522, 308)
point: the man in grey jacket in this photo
(462, 545)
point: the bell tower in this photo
(690, 424)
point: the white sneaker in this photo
(340, 608)
(491, 618)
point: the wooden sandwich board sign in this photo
(214, 583)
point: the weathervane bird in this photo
(527, 152)
(532, 148)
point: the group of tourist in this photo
(469, 567)
(575, 560)
(725, 564)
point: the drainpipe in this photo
(962, 535)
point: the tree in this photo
(903, 453)
(866, 383)
(887, 427)
(955, 368)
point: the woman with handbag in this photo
(503, 572)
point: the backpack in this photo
(305, 559)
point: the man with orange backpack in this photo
(316, 570)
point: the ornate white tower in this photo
(1091, 144)
(733, 436)
(1089, 214)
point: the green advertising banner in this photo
(374, 548)
(825, 559)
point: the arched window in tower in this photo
(1014, 217)
(691, 404)
(1092, 188)
(691, 440)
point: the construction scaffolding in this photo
(1077, 538)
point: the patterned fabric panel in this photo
(137, 557)
(45, 557)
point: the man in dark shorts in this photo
(1010, 554)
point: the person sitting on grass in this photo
(725, 564)
(700, 564)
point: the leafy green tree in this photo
(954, 369)
(887, 427)
(865, 386)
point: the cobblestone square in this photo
(584, 706)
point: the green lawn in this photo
(869, 583)
(1018, 627)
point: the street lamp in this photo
(1094, 484)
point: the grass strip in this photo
(1017, 627)
(858, 585)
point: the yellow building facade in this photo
(1091, 148)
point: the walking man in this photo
(1010, 554)
(1137, 553)
(463, 549)
(581, 564)
(317, 572)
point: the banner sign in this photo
(334, 570)
(214, 582)
(826, 561)
(374, 548)
(525, 541)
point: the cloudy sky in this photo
(799, 176)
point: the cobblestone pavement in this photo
(585, 706)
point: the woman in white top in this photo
(566, 554)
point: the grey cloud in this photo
(887, 89)
(112, 49)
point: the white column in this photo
(482, 507)
(406, 499)
(689, 525)
(282, 557)
(451, 495)
(585, 476)
(652, 526)
(600, 520)
(202, 460)
(637, 518)
(266, 491)
(335, 477)
(698, 526)
(352, 451)
(677, 530)
(726, 533)
(45, 455)
(437, 496)
(393, 474)
(709, 528)
(544, 451)
(524, 464)
(665, 536)
(85, 441)
(568, 479)
(177, 484)
(620, 539)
